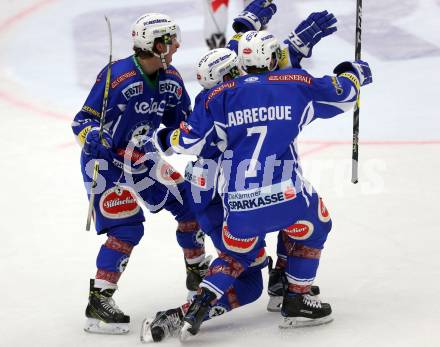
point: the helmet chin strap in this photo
(161, 56)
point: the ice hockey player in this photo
(145, 91)
(261, 183)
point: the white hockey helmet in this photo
(151, 26)
(214, 65)
(260, 49)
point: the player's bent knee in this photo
(131, 234)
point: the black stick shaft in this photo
(355, 147)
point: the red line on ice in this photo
(5, 25)
(23, 13)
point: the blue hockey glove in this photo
(257, 14)
(309, 32)
(96, 148)
(359, 68)
(161, 137)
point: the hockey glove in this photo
(98, 149)
(257, 14)
(161, 137)
(309, 32)
(359, 68)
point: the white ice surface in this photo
(380, 269)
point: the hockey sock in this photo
(115, 252)
(281, 252)
(301, 268)
(246, 289)
(191, 239)
(222, 274)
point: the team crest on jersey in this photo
(133, 89)
(301, 230)
(117, 203)
(290, 78)
(139, 136)
(237, 245)
(218, 90)
(323, 214)
(170, 86)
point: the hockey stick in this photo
(357, 55)
(101, 128)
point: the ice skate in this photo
(304, 310)
(277, 286)
(196, 313)
(103, 316)
(195, 274)
(166, 324)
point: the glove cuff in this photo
(297, 44)
(246, 21)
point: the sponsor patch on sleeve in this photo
(118, 80)
(290, 78)
(217, 90)
(91, 111)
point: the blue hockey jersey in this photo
(254, 121)
(136, 106)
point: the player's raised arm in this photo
(333, 95)
(305, 36)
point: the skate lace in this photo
(204, 266)
(312, 301)
(110, 305)
(172, 323)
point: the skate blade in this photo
(300, 322)
(184, 333)
(146, 336)
(96, 326)
(275, 303)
